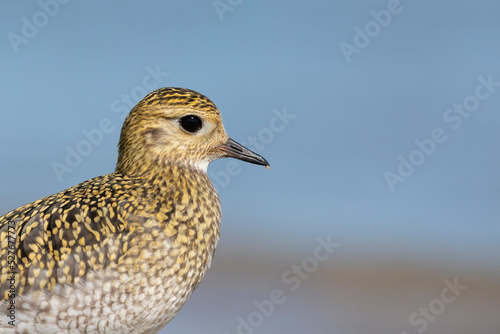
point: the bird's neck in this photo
(157, 166)
(165, 177)
(183, 193)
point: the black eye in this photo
(191, 123)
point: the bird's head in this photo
(176, 126)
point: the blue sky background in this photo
(352, 120)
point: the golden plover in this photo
(121, 253)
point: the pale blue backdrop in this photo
(334, 94)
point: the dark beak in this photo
(232, 149)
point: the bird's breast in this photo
(170, 251)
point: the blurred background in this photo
(380, 120)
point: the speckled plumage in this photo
(121, 253)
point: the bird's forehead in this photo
(176, 101)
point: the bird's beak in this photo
(232, 149)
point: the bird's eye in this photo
(191, 123)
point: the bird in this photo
(122, 252)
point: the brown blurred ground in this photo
(344, 295)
